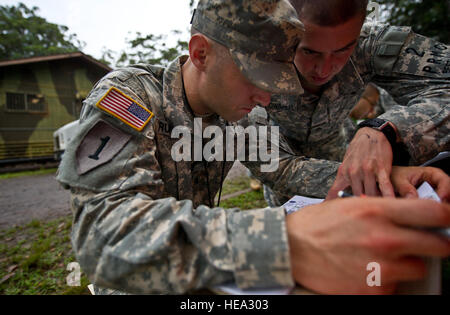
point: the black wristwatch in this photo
(384, 126)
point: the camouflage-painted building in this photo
(39, 95)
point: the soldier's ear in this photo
(199, 51)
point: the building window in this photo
(15, 102)
(21, 102)
(35, 103)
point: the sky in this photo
(107, 23)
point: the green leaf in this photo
(25, 34)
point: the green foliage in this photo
(34, 259)
(25, 34)
(43, 171)
(247, 201)
(428, 18)
(150, 49)
(235, 185)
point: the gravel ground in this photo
(23, 199)
(40, 197)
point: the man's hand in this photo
(406, 179)
(366, 167)
(332, 243)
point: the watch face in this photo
(373, 123)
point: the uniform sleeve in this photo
(128, 235)
(131, 242)
(297, 175)
(415, 70)
(290, 174)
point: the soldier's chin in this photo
(236, 115)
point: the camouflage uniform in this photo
(385, 102)
(413, 69)
(144, 223)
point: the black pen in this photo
(441, 231)
(343, 194)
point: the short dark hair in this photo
(330, 12)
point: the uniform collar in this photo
(174, 106)
(347, 81)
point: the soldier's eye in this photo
(308, 52)
(343, 51)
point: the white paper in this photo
(425, 191)
(298, 202)
(432, 282)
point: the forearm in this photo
(289, 173)
(298, 175)
(130, 242)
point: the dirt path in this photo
(40, 197)
(23, 199)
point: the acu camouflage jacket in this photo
(141, 220)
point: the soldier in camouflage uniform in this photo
(141, 220)
(336, 60)
(144, 223)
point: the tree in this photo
(25, 34)
(429, 18)
(150, 48)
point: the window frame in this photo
(27, 110)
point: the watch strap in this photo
(381, 125)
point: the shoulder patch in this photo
(99, 146)
(125, 108)
(424, 57)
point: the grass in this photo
(34, 258)
(28, 173)
(250, 200)
(235, 185)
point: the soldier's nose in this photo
(324, 68)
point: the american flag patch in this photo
(125, 108)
